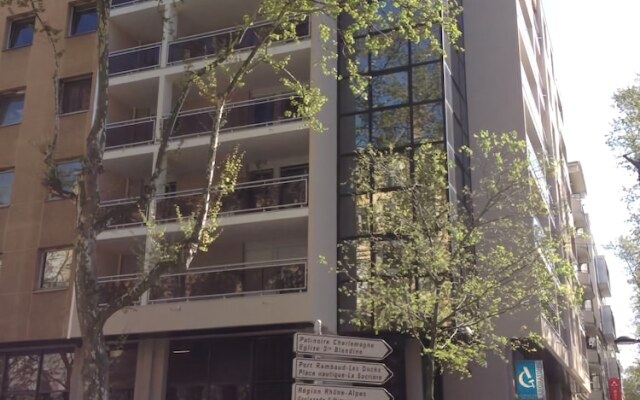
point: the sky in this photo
(595, 53)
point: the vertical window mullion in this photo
(38, 374)
(3, 374)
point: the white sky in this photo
(595, 51)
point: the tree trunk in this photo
(95, 360)
(95, 366)
(429, 372)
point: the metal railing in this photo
(255, 196)
(207, 44)
(130, 133)
(243, 114)
(187, 48)
(248, 197)
(240, 115)
(123, 3)
(220, 281)
(134, 59)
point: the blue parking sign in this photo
(530, 380)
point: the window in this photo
(41, 375)
(122, 372)
(230, 368)
(21, 33)
(68, 174)
(75, 95)
(6, 184)
(11, 108)
(84, 20)
(56, 268)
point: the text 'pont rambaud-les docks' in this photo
(345, 371)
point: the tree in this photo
(443, 271)
(223, 75)
(631, 383)
(625, 141)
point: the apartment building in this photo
(511, 86)
(593, 274)
(224, 329)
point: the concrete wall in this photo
(30, 223)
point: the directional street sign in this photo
(325, 392)
(341, 346)
(344, 371)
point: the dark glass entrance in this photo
(238, 368)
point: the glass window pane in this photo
(6, 185)
(427, 82)
(22, 373)
(354, 132)
(187, 377)
(389, 12)
(391, 127)
(229, 358)
(362, 55)
(394, 55)
(392, 171)
(428, 122)
(423, 52)
(390, 89)
(11, 109)
(85, 20)
(56, 268)
(76, 96)
(56, 373)
(21, 33)
(68, 174)
(122, 372)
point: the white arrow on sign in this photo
(323, 392)
(344, 371)
(341, 346)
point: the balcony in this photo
(248, 197)
(204, 45)
(608, 324)
(594, 359)
(579, 216)
(588, 316)
(585, 281)
(602, 273)
(134, 59)
(130, 133)
(240, 115)
(124, 3)
(221, 281)
(246, 114)
(584, 246)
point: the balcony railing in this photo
(240, 115)
(130, 133)
(199, 283)
(207, 44)
(134, 59)
(123, 3)
(246, 114)
(248, 197)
